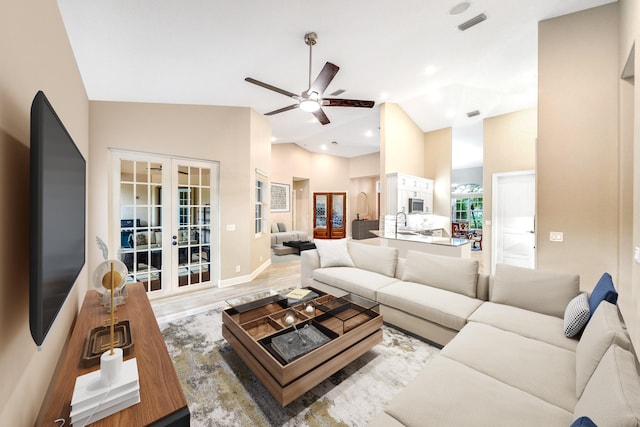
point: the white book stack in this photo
(92, 400)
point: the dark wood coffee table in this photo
(300, 245)
(352, 324)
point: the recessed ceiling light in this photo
(368, 134)
(459, 8)
(430, 70)
(274, 139)
(383, 96)
(450, 114)
(323, 147)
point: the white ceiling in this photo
(409, 52)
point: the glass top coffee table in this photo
(293, 344)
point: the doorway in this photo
(329, 211)
(513, 218)
(165, 212)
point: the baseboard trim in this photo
(245, 278)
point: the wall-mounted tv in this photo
(57, 216)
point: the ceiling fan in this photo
(311, 100)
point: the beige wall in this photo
(509, 142)
(260, 155)
(629, 286)
(577, 150)
(437, 166)
(34, 55)
(320, 172)
(236, 137)
(401, 146)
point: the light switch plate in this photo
(556, 236)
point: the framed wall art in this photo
(280, 197)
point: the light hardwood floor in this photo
(277, 276)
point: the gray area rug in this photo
(222, 391)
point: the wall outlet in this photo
(636, 254)
(231, 227)
(237, 269)
(556, 236)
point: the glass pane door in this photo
(167, 214)
(141, 221)
(337, 215)
(193, 216)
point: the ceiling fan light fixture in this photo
(309, 105)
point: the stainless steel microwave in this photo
(416, 205)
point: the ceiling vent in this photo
(473, 113)
(471, 22)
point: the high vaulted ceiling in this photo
(408, 52)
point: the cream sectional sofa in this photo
(506, 360)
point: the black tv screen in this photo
(57, 216)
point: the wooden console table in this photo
(162, 402)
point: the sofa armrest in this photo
(309, 261)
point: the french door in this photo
(166, 212)
(329, 212)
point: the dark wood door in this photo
(329, 213)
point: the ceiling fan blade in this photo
(273, 88)
(321, 82)
(337, 102)
(281, 110)
(321, 116)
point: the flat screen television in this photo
(57, 216)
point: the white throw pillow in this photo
(576, 315)
(333, 253)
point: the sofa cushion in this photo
(333, 253)
(379, 259)
(281, 227)
(576, 315)
(360, 282)
(530, 324)
(541, 291)
(449, 393)
(604, 291)
(449, 273)
(274, 227)
(449, 309)
(612, 396)
(541, 369)
(603, 330)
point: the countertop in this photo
(414, 236)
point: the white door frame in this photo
(496, 226)
(168, 251)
